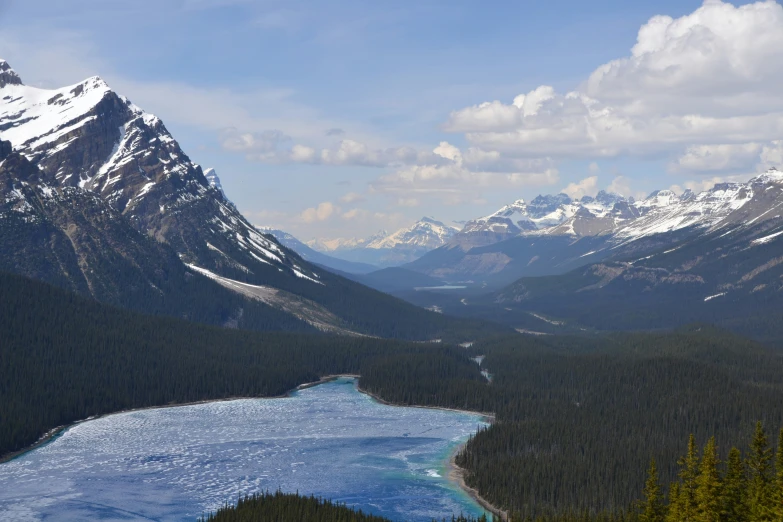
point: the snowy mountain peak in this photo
(213, 179)
(659, 198)
(517, 207)
(7, 75)
(772, 175)
(426, 233)
(609, 199)
(88, 137)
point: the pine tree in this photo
(778, 510)
(653, 504)
(689, 471)
(674, 512)
(759, 483)
(733, 504)
(708, 485)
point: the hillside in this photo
(100, 198)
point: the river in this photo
(178, 463)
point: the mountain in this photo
(554, 234)
(132, 220)
(731, 275)
(386, 250)
(317, 257)
(715, 256)
(214, 180)
(338, 244)
(72, 238)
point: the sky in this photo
(340, 118)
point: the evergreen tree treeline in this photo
(746, 489)
(282, 507)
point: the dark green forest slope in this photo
(281, 507)
(577, 418)
(64, 358)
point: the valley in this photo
(412, 262)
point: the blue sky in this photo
(339, 118)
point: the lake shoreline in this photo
(455, 473)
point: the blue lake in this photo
(179, 463)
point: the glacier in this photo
(181, 462)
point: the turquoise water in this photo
(178, 463)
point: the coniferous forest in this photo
(577, 419)
(282, 507)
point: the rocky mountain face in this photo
(71, 237)
(99, 197)
(214, 180)
(554, 234)
(386, 250)
(730, 275)
(89, 137)
(426, 234)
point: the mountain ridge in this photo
(143, 189)
(516, 240)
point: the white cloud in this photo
(772, 156)
(717, 158)
(449, 152)
(585, 187)
(352, 197)
(261, 142)
(709, 77)
(407, 202)
(320, 213)
(354, 213)
(620, 185)
(457, 177)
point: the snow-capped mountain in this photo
(425, 234)
(545, 214)
(553, 234)
(384, 250)
(340, 243)
(87, 136)
(97, 196)
(214, 180)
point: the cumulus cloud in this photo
(708, 77)
(620, 185)
(585, 187)
(354, 213)
(718, 158)
(351, 197)
(322, 212)
(457, 176)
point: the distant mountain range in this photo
(384, 250)
(614, 263)
(97, 196)
(554, 234)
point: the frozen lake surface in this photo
(178, 463)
